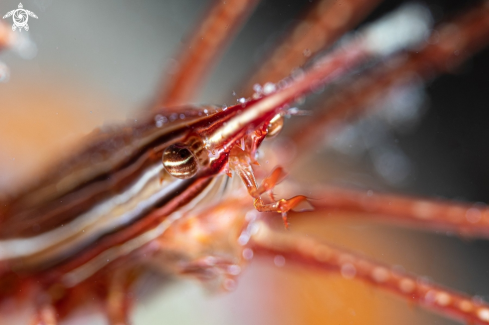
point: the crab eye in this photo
(275, 126)
(179, 161)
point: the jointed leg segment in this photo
(462, 218)
(310, 253)
(202, 50)
(239, 161)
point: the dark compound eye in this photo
(179, 161)
(275, 126)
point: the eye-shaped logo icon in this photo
(20, 17)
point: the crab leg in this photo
(311, 253)
(443, 52)
(465, 219)
(201, 51)
(323, 25)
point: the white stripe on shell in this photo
(86, 270)
(100, 217)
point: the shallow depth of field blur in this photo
(98, 62)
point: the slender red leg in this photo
(444, 51)
(311, 253)
(465, 219)
(203, 49)
(326, 70)
(320, 28)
